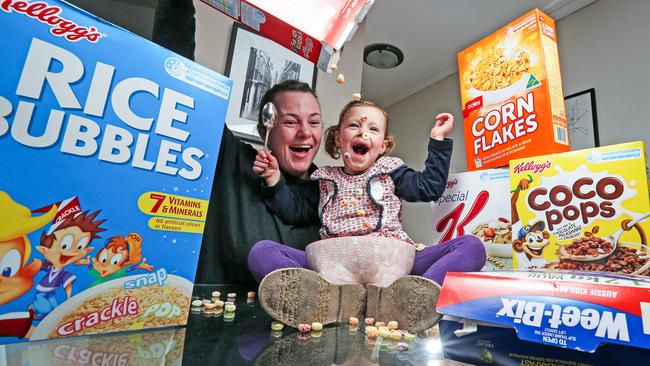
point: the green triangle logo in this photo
(532, 82)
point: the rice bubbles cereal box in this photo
(109, 146)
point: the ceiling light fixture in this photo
(382, 56)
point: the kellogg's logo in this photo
(49, 15)
(452, 183)
(528, 166)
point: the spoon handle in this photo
(266, 140)
(635, 221)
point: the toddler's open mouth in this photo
(360, 149)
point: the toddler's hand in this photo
(443, 127)
(266, 166)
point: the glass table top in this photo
(246, 339)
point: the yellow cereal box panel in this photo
(582, 210)
(511, 93)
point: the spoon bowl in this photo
(269, 116)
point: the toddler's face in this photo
(361, 138)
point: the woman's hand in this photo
(266, 166)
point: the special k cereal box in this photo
(582, 210)
(109, 146)
(511, 92)
(475, 203)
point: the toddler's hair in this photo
(330, 138)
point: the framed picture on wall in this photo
(582, 120)
(255, 64)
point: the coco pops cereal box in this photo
(109, 147)
(511, 92)
(582, 210)
(475, 203)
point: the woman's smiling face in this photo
(361, 138)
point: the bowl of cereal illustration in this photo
(496, 236)
(135, 302)
(498, 76)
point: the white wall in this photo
(602, 46)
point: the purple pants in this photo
(463, 254)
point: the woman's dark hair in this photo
(330, 133)
(285, 86)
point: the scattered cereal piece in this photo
(359, 192)
(250, 295)
(384, 332)
(353, 321)
(216, 294)
(409, 336)
(369, 321)
(363, 119)
(366, 225)
(228, 317)
(396, 335)
(402, 347)
(230, 308)
(383, 328)
(219, 303)
(362, 213)
(340, 79)
(347, 155)
(356, 97)
(277, 326)
(197, 303)
(303, 328)
(392, 325)
(206, 301)
(372, 332)
(210, 308)
(316, 326)
(333, 67)
(420, 247)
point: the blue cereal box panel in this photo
(109, 146)
(572, 310)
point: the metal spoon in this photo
(269, 115)
(611, 238)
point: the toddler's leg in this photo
(266, 256)
(462, 254)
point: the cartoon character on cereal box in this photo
(119, 257)
(65, 242)
(16, 275)
(530, 244)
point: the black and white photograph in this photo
(256, 63)
(582, 120)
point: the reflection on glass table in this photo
(214, 339)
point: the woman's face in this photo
(361, 138)
(296, 136)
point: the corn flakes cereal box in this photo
(109, 147)
(511, 93)
(582, 210)
(473, 204)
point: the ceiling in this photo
(431, 32)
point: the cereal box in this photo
(109, 147)
(583, 210)
(475, 203)
(573, 310)
(314, 29)
(511, 92)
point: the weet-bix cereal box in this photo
(109, 146)
(582, 210)
(573, 310)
